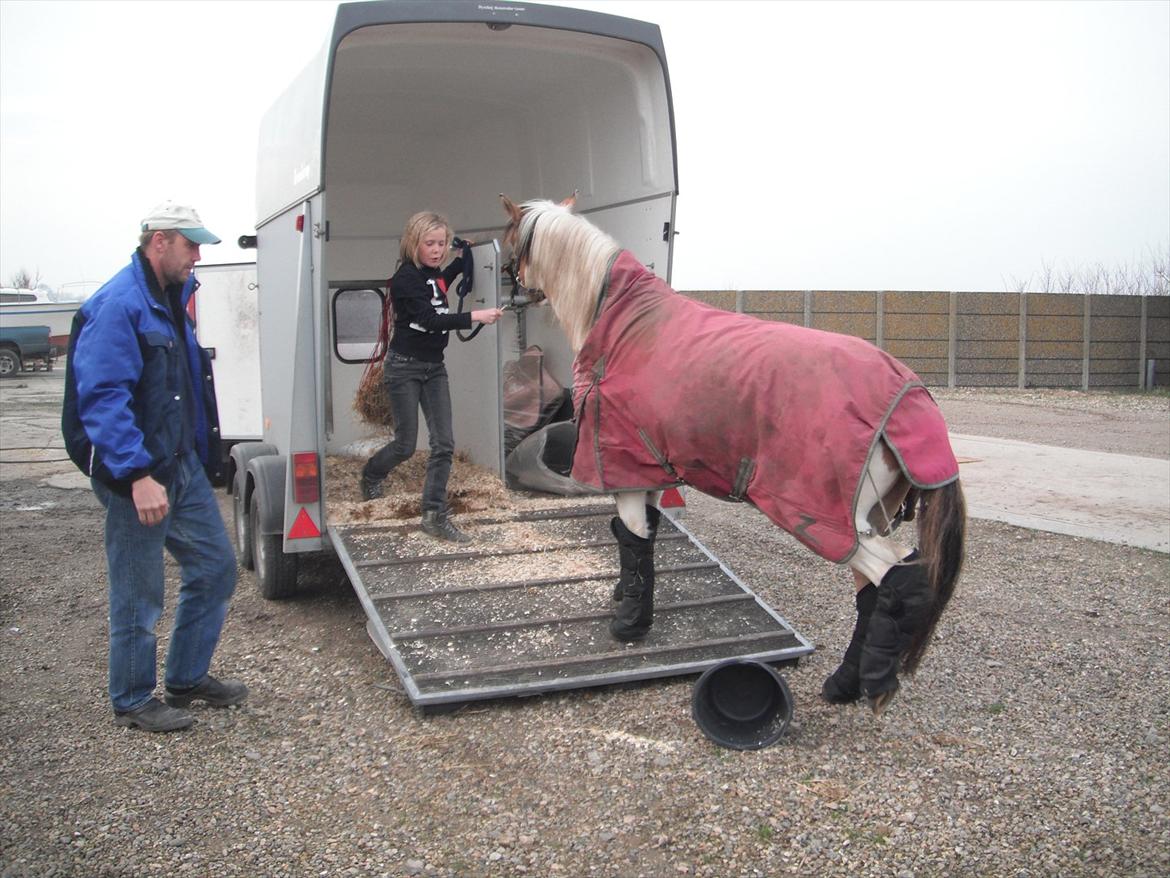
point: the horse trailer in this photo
(443, 105)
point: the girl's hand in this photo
(486, 315)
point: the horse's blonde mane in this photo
(568, 259)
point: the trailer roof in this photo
(351, 16)
(294, 131)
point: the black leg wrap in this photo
(653, 516)
(844, 684)
(635, 613)
(902, 602)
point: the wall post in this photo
(952, 337)
(1142, 385)
(1022, 376)
(1085, 344)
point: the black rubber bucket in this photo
(742, 704)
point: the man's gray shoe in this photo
(439, 526)
(154, 716)
(216, 693)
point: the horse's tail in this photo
(942, 527)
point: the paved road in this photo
(1118, 498)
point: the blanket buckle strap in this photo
(743, 475)
(658, 455)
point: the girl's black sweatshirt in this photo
(422, 317)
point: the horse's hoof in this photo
(842, 686)
(628, 634)
(879, 703)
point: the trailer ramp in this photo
(525, 609)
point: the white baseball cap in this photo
(185, 220)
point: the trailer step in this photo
(526, 610)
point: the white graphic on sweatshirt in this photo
(438, 303)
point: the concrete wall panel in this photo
(918, 328)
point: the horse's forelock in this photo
(530, 214)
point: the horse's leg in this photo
(883, 488)
(639, 513)
(899, 605)
(632, 507)
(882, 492)
(843, 686)
(635, 527)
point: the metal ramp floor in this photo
(525, 609)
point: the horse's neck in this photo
(579, 296)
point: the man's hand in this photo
(150, 499)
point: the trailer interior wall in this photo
(446, 116)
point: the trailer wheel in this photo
(243, 521)
(276, 571)
(9, 362)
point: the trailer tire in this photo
(242, 519)
(276, 570)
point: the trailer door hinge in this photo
(321, 230)
(667, 232)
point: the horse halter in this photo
(520, 251)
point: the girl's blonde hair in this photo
(416, 229)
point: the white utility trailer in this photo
(443, 105)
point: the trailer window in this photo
(9, 298)
(357, 316)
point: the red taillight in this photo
(306, 485)
(301, 223)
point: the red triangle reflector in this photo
(671, 498)
(303, 527)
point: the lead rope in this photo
(466, 283)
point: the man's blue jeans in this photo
(412, 384)
(193, 532)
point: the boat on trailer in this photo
(24, 307)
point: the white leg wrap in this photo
(875, 554)
(631, 507)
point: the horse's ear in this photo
(511, 208)
(571, 201)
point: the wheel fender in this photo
(241, 454)
(266, 473)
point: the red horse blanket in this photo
(670, 391)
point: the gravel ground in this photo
(1032, 742)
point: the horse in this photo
(833, 439)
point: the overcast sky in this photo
(831, 145)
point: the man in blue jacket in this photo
(140, 419)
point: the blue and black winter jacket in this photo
(126, 387)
